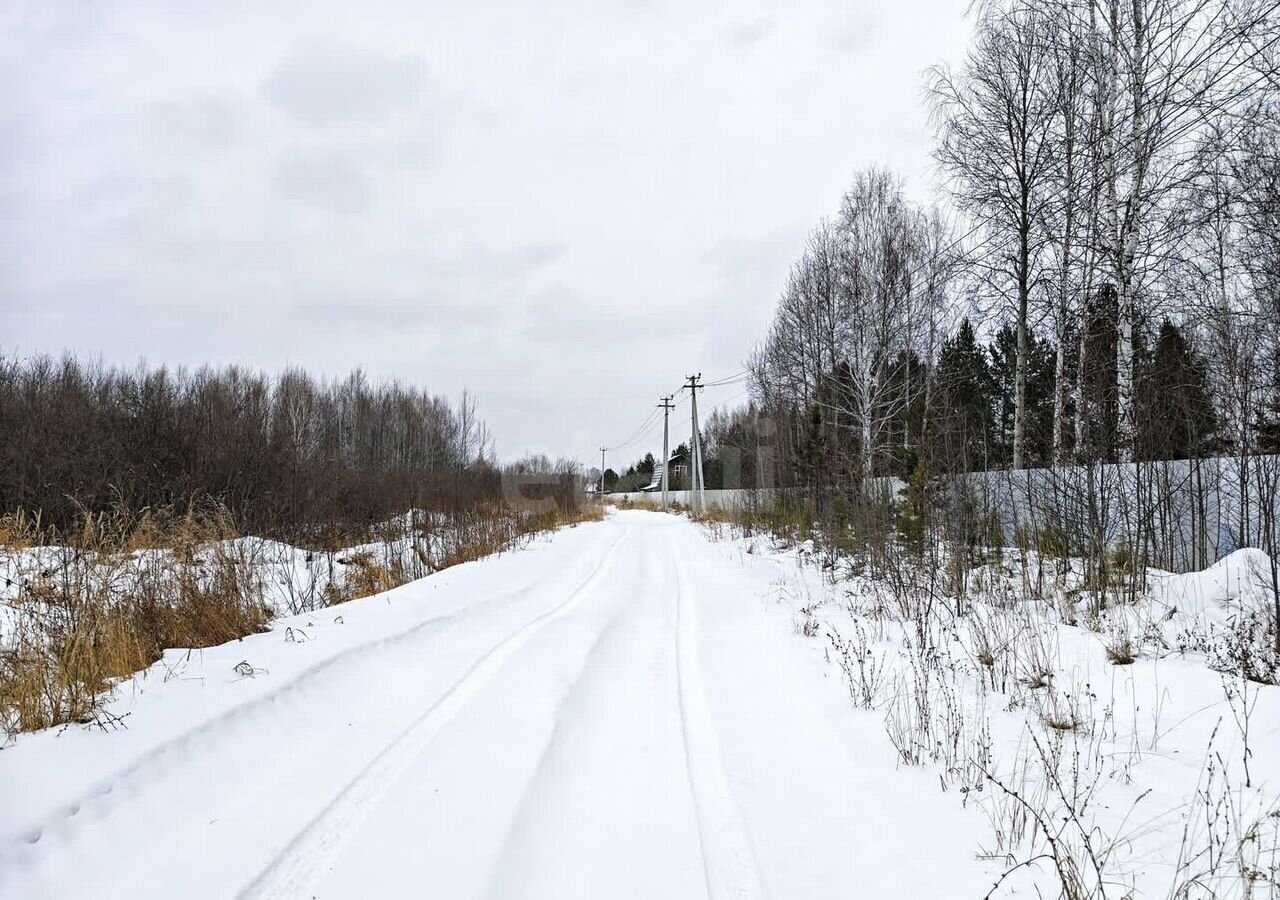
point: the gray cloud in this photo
(323, 180)
(558, 316)
(201, 122)
(564, 207)
(502, 264)
(748, 272)
(322, 87)
(856, 34)
(750, 33)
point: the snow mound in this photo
(1239, 582)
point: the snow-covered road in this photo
(619, 711)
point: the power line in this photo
(635, 435)
(730, 379)
(730, 383)
(650, 426)
(737, 374)
(648, 431)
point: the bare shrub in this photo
(1229, 848)
(805, 623)
(1048, 799)
(928, 720)
(1246, 646)
(864, 671)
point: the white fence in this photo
(1181, 514)
(727, 499)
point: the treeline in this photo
(958, 413)
(286, 455)
(98, 462)
(1104, 284)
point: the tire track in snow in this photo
(204, 738)
(523, 861)
(728, 857)
(296, 870)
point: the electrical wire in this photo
(649, 419)
(730, 379)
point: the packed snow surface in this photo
(622, 710)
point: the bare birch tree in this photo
(880, 304)
(995, 119)
(1162, 70)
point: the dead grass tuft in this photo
(18, 531)
(1061, 723)
(364, 577)
(1121, 651)
(103, 608)
(112, 594)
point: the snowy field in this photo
(644, 708)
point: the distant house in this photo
(679, 464)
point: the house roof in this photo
(655, 483)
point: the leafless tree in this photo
(995, 119)
(285, 455)
(883, 307)
(1161, 70)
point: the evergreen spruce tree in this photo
(1098, 390)
(905, 396)
(1267, 423)
(963, 404)
(1176, 417)
(1003, 351)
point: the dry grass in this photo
(123, 587)
(437, 542)
(1058, 721)
(460, 538)
(628, 503)
(791, 523)
(491, 529)
(806, 624)
(18, 530)
(1120, 650)
(364, 577)
(103, 608)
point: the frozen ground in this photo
(618, 711)
(633, 709)
(1119, 749)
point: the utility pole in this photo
(602, 449)
(695, 446)
(666, 405)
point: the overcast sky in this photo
(564, 207)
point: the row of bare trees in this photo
(1095, 298)
(286, 455)
(861, 308)
(1114, 188)
(1126, 147)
